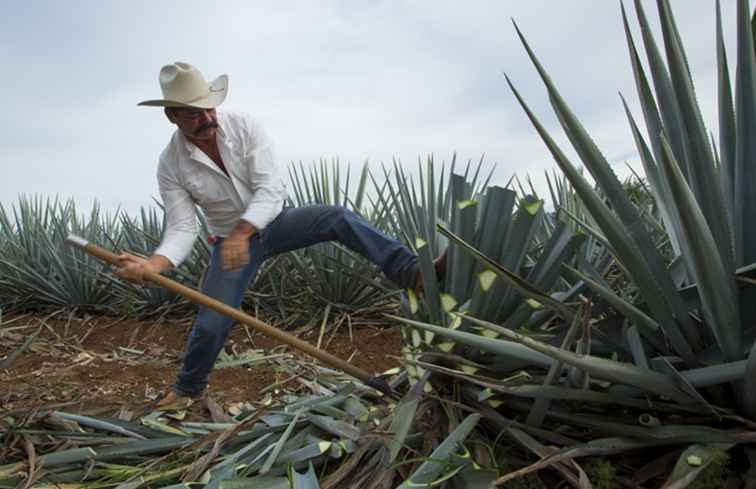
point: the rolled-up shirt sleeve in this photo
(180, 219)
(268, 187)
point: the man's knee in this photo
(339, 218)
(344, 215)
(337, 212)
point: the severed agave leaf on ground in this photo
(227, 469)
(259, 482)
(305, 453)
(473, 478)
(432, 468)
(312, 402)
(600, 447)
(404, 418)
(336, 427)
(140, 447)
(308, 480)
(63, 457)
(155, 422)
(278, 447)
(250, 358)
(99, 424)
(70, 485)
(132, 484)
(693, 461)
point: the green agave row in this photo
(38, 270)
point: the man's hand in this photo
(133, 268)
(235, 248)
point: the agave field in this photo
(599, 336)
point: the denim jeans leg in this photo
(299, 227)
(211, 328)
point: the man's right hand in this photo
(134, 268)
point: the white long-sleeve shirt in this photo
(253, 191)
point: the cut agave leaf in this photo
(279, 445)
(308, 480)
(260, 482)
(98, 424)
(518, 283)
(305, 453)
(404, 418)
(335, 427)
(430, 470)
(694, 460)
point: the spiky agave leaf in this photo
(659, 290)
(430, 470)
(628, 252)
(716, 285)
(745, 113)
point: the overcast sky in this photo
(357, 80)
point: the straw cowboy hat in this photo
(184, 86)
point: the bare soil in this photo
(97, 365)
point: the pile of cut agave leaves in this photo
(340, 433)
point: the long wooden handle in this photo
(218, 306)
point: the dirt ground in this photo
(99, 365)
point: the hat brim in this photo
(218, 92)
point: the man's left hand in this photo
(235, 248)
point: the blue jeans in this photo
(294, 228)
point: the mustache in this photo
(209, 125)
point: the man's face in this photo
(194, 123)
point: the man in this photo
(223, 163)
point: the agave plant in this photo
(38, 270)
(501, 225)
(416, 206)
(707, 260)
(673, 333)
